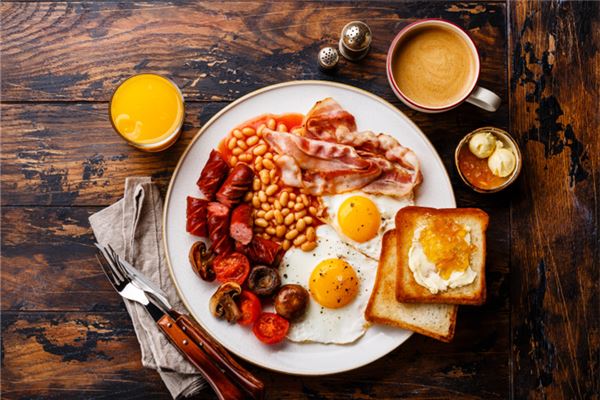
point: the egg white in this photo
(321, 324)
(387, 206)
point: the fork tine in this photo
(108, 272)
(118, 277)
(118, 265)
(111, 254)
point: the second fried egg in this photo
(361, 219)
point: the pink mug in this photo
(470, 93)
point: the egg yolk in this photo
(359, 218)
(333, 283)
(444, 244)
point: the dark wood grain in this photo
(65, 333)
(61, 161)
(555, 75)
(213, 50)
(74, 355)
(96, 355)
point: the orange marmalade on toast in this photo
(445, 245)
(440, 254)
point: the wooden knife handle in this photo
(241, 376)
(221, 384)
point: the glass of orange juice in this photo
(147, 110)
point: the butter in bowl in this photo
(488, 160)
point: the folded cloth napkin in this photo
(133, 227)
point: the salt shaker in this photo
(355, 40)
(328, 58)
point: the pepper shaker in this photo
(328, 58)
(355, 40)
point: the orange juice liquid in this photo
(147, 110)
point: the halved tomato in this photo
(250, 307)
(233, 267)
(270, 328)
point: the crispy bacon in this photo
(395, 180)
(318, 166)
(328, 121)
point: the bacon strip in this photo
(319, 166)
(328, 121)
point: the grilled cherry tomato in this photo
(250, 308)
(233, 267)
(270, 328)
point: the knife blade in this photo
(179, 327)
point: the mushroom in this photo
(201, 259)
(222, 302)
(263, 280)
(291, 301)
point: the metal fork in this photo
(123, 284)
(219, 369)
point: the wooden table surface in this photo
(65, 333)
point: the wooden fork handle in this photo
(242, 377)
(221, 384)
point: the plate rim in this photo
(201, 131)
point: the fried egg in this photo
(361, 219)
(339, 280)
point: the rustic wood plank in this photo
(68, 154)
(96, 355)
(74, 355)
(65, 154)
(214, 50)
(555, 75)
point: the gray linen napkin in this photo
(133, 227)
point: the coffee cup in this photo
(433, 66)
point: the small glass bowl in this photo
(507, 141)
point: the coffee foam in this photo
(434, 66)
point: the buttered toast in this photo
(434, 320)
(446, 235)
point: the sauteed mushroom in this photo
(263, 281)
(201, 259)
(222, 303)
(291, 301)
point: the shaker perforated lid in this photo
(328, 58)
(355, 40)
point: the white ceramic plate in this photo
(371, 113)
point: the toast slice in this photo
(433, 320)
(407, 289)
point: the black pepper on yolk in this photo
(359, 218)
(333, 283)
(444, 244)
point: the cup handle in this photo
(483, 98)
